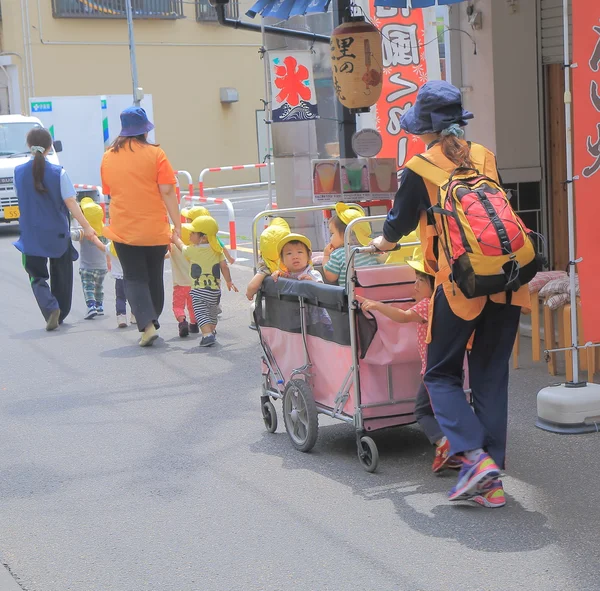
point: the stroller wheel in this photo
(368, 454)
(269, 415)
(300, 415)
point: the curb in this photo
(7, 583)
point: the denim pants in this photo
(485, 424)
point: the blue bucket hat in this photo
(438, 106)
(134, 121)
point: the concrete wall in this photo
(500, 84)
(182, 63)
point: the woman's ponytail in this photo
(454, 147)
(39, 141)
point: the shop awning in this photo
(284, 9)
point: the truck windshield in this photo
(13, 138)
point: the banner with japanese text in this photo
(586, 119)
(404, 72)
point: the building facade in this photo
(511, 75)
(184, 58)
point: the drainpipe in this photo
(237, 24)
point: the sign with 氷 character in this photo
(292, 86)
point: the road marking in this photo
(245, 249)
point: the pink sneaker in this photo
(443, 460)
(491, 495)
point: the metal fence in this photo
(142, 9)
(206, 13)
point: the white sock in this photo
(473, 454)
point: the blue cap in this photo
(134, 121)
(438, 106)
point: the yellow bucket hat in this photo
(191, 213)
(93, 214)
(347, 213)
(293, 238)
(112, 249)
(269, 241)
(207, 226)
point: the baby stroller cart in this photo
(322, 355)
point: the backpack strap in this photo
(428, 170)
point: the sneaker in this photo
(491, 495)
(443, 460)
(100, 309)
(122, 321)
(473, 476)
(148, 337)
(53, 320)
(91, 313)
(194, 328)
(132, 319)
(184, 329)
(253, 326)
(208, 340)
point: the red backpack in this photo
(488, 247)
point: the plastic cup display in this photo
(383, 174)
(326, 173)
(355, 176)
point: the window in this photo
(206, 13)
(146, 9)
(527, 202)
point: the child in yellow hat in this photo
(92, 264)
(419, 314)
(269, 255)
(191, 213)
(334, 254)
(207, 263)
(295, 251)
(182, 282)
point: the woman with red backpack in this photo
(481, 256)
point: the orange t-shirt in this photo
(138, 215)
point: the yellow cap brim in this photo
(294, 238)
(418, 266)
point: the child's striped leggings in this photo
(206, 305)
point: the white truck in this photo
(14, 151)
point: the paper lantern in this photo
(357, 63)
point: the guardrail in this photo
(226, 169)
(190, 181)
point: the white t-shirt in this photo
(116, 270)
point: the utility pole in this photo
(137, 91)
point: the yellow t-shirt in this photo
(180, 267)
(205, 268)
(138, 215)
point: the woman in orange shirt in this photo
(141, 183)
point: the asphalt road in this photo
(124, 469)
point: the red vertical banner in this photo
(586, 114)
(404, 72)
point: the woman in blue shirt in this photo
(46, 196)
